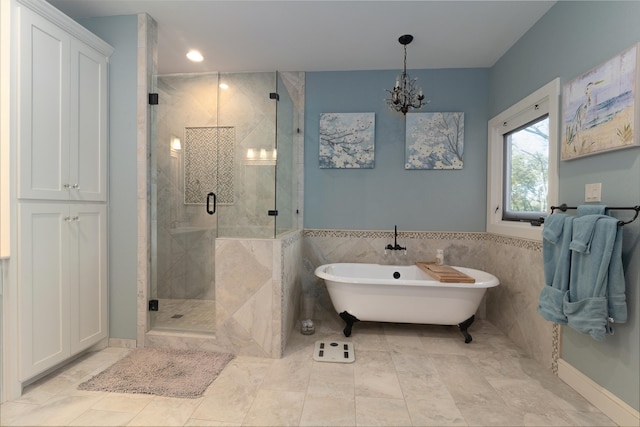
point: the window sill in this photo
(522, 230)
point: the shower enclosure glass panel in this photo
(287, 154)
(220, 141)
(244, 102)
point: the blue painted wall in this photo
(570, 39)
(379, 198)
(121, 32)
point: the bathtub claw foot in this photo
(463, 328)
(350, 320)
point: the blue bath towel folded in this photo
(554, 228)
(591, 210)
(596, 285)
(583, 231)
(556, 238)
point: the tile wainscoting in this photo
(512, 306)
(517, 263)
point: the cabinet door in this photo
(88, 275)
(43, 293)
(43, 154)
(88, 119)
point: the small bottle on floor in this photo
(307, 327)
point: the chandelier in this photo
(405, 94)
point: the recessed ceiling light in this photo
(195, 56)
(223, 86)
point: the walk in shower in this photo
(225, 161)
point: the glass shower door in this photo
(185, 202)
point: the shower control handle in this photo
(210, 196)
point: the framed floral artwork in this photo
(347, 140)
(434, 140)
(600, 107)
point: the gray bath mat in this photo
(334, 351)
(171, 373)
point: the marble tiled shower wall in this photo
(257, 293)
(517, 263)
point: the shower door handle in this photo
(215, 202)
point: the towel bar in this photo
(563, 207)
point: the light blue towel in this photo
(554, 228)
(556, 255)
(591, 210)
(596, 285)
(583, 231)
(616, 296)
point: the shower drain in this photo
(334, 351)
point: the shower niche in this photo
(209, 156)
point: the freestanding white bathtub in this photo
(403, 294)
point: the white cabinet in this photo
(88, 295)
(43, 288)
(63, 282)
(63, 114)
(60, 199)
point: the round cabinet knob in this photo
(76, 186)
(67, 185)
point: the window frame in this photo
(541, 102)
(508, 215)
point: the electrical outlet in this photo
(593, 192)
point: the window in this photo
(526, 166)
(522, 164)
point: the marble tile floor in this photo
(404, 375)
(193, 315)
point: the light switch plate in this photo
(593, 192)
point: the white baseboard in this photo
(620, 412)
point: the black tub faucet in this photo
(395, 246)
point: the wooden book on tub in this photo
(444, 273)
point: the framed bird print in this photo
(601, 108)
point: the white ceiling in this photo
(308, 35)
